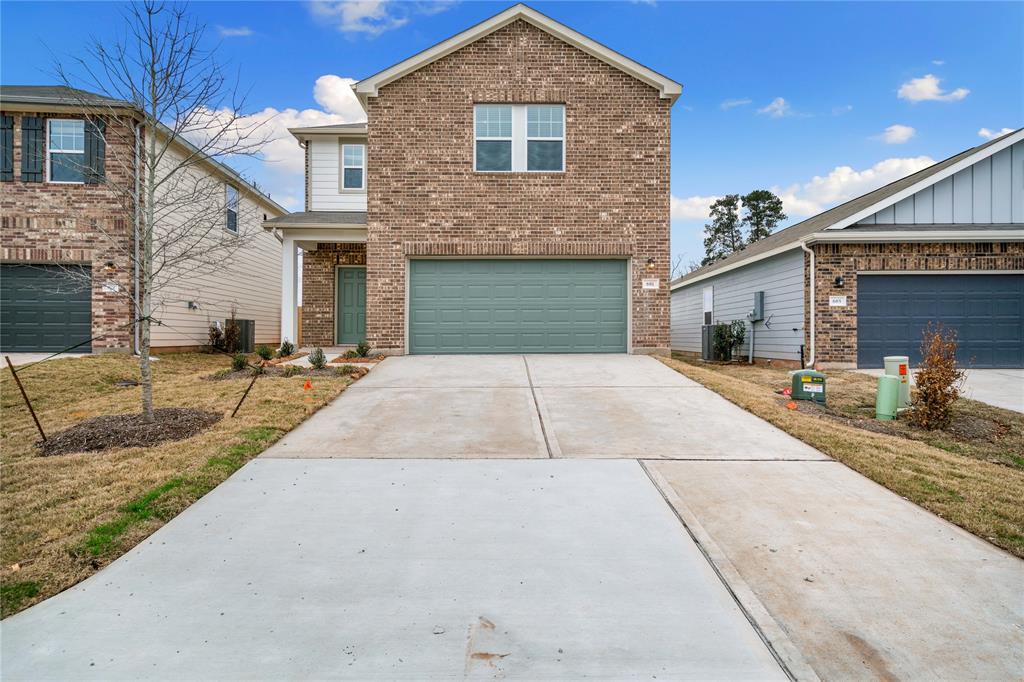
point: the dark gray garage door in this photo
(517, 306)
(43, 308)
(986, 310)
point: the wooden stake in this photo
(254, 378)
(24, 395)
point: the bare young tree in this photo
(172, 111)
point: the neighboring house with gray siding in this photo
(945, 244)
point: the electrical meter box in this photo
(808, 385)
(757, 314)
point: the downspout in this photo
(138, 192)
(810, 360)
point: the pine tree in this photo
(723, 235)
(762, 213)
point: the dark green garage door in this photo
(44, 308)
(986, 310)
(517, 306)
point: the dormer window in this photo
(353, 167)
(519, 137)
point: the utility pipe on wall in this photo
(810, 360)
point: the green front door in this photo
(351, 298)
(518, 306)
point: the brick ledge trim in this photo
(517, 248)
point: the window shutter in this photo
(6, 148)
(95, 150)
(33, 146)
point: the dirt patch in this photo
(129, 431)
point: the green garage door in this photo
(517, 306)
(44, 308)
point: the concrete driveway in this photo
(539, 517)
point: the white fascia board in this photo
(369, 87)
(958, 235)
(738, 264)
(1007, 141)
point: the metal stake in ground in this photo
(28, 402)
(255, 376)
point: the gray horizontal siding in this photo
(781, 278)
(989, 191)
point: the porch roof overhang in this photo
(309, 228)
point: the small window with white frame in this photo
(709, 303)
(493, 137)
(65, 150)
(545, 137)
(231, 208)
(353, 167)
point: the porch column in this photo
(289, 291)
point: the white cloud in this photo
(373, 17)
(897, 134)
(843, 183)
(777, 108)
(732, 103)
(234, 32)
(928, 88)
(839, 111)
(692, 208)
(993, 134)
(335, 95)
(938, 62)
(281, 158)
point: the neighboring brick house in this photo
(945, 244)
(67, 233)
(508, 193)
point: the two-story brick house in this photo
(67, 238)
(508, 193)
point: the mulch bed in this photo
(129, 431)
(277, 372)
(342, 360)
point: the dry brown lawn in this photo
(64, 517)
(971, 474)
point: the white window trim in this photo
(227, 207)
(519, 138)
(343, 166)
(49, 179)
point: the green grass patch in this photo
(167, 500)
(13, 594)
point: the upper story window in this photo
(519, 137)
(353, 166)
(65, 150)
(231, 208)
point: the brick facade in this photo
(47, 223)
(424, 197)
(318, 289)
(836, 328)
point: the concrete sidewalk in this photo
(411, 570)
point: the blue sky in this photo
(818, 101)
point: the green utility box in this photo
(808, 385)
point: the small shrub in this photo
(286, 349)
(232, 334)
(290, 371)
(938, 378)
(239, 361)
(350, 354)
(216, 337)
(363, 348)
(345, 370)
(264, 352)
(727, 337)
(317, 359)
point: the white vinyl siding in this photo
(324, 179)
(780, 277)
(988, 192)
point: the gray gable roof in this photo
(318, 219)
(55, 94)
(793, 234)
